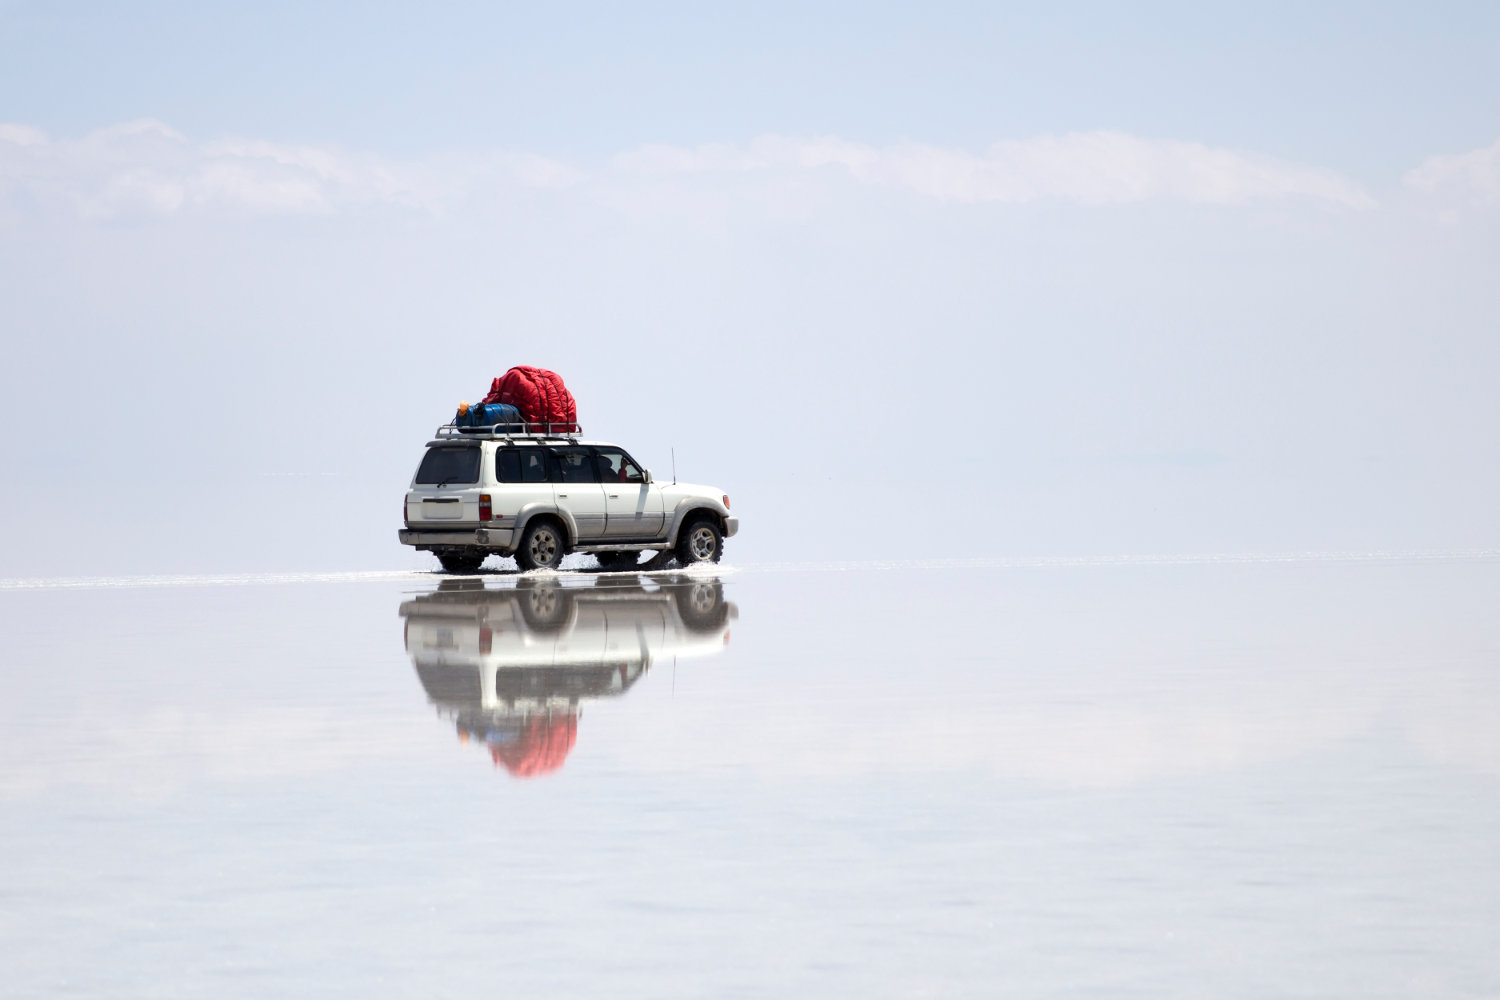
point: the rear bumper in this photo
(494, 538)
(731, 525)
(489, 538)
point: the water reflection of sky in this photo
(1189, 781)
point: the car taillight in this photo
(486, 640)
(405, 517)
(484, 506)
(726, 501)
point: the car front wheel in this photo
(700, 542)
(702, 606)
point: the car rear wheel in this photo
(461, 562)
(544, 606)
(699, 542)
(542, 546)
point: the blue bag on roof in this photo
(487, 415)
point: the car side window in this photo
(508, 465)
(617, 467)
(533, 465)
(521, 465)
(572, 465)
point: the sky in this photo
(942, 280)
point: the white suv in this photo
(538, 496)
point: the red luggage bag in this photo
(541, 397)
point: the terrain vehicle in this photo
(538, 495)
(510, 667)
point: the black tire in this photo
(545, 607)
(617, 560)
(461, 562)
(699, 541)
(543, 545)
(702, 606)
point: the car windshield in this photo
(441, 466)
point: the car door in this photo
(577, 490)
(521, 478)
(634, 506)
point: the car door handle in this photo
(614, 496)
(562, 496)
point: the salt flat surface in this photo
(1211, 779)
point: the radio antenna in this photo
(674, 466)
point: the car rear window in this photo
(441, 466)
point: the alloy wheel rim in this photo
(703, 543)
(543, 546)
(544, 602)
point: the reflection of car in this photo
(488, 491)
(511, 665)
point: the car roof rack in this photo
(507, 432)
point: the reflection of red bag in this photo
(542, 748)
(539, 394)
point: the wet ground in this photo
(1155, 781)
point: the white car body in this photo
(593, 493)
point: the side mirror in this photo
(649, 480)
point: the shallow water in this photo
(1247, 780)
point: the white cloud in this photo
(21, 135)
(1092, 168)
(140, 128)
(1473, 177)
(145, 167)
(766, 152)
